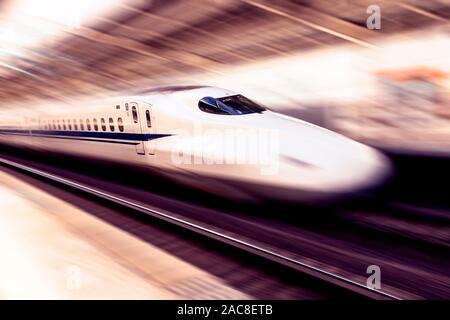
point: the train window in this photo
(95, 125)
(69, 125)
(209, 105)
(75, 126)
(147, 116)
(64, 125)
(102, 120)
(120, 124)
(231, 105)
(59, 125)
(111, 124)
(54, 125)
(88, 125)
(135, 114)
(81, 125)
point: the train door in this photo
(149, 123)
(137, 127)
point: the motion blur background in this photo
(313, 59)
(316, 60)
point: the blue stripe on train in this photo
(88, 135)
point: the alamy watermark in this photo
(373, 22)
(374, 280)
(73, 277)
(228, 146)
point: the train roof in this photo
(171, 89)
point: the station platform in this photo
(53, 250)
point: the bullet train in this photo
(205, 137)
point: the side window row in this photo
(74, 125)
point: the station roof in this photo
(151, 43)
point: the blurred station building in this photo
(313, 59)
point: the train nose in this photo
(329, 163)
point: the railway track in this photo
(209, 231)
(408, 238)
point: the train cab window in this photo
(88, 125)
(111, 124)
(135, 114)
(81, 125)
(75, 126)
(102, 121)
(69, 125)
(120, 124)
(231, 105)
(95, 125)
(64, 125)
(149, 120)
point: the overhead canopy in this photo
(125, 44)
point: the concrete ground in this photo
(53, 250)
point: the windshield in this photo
(231, 105)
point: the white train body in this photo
(225, 144)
